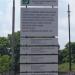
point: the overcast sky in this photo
(6, 19)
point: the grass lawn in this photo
(65, 67)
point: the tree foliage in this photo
(16, 48)
(4, 45)
(64, 54)
(5, 62)
(5, 52)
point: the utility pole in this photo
(70, 69)
(13, 30)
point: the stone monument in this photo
(39, 37)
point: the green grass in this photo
(65, 67)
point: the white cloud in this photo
(17, 20)
(6, 18)
(1, 13)
(63, 22)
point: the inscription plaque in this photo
(39, 22)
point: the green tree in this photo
(4, 45)
(60, 57)
(5, 63)
(64, 57)
(16, 48)
(72, 50)
(64, 54)
(5, 58)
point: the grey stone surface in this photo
(39, 50)
(38, 67)
(39, 22)
(39, 59)
(38, 73)
(38, 41)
